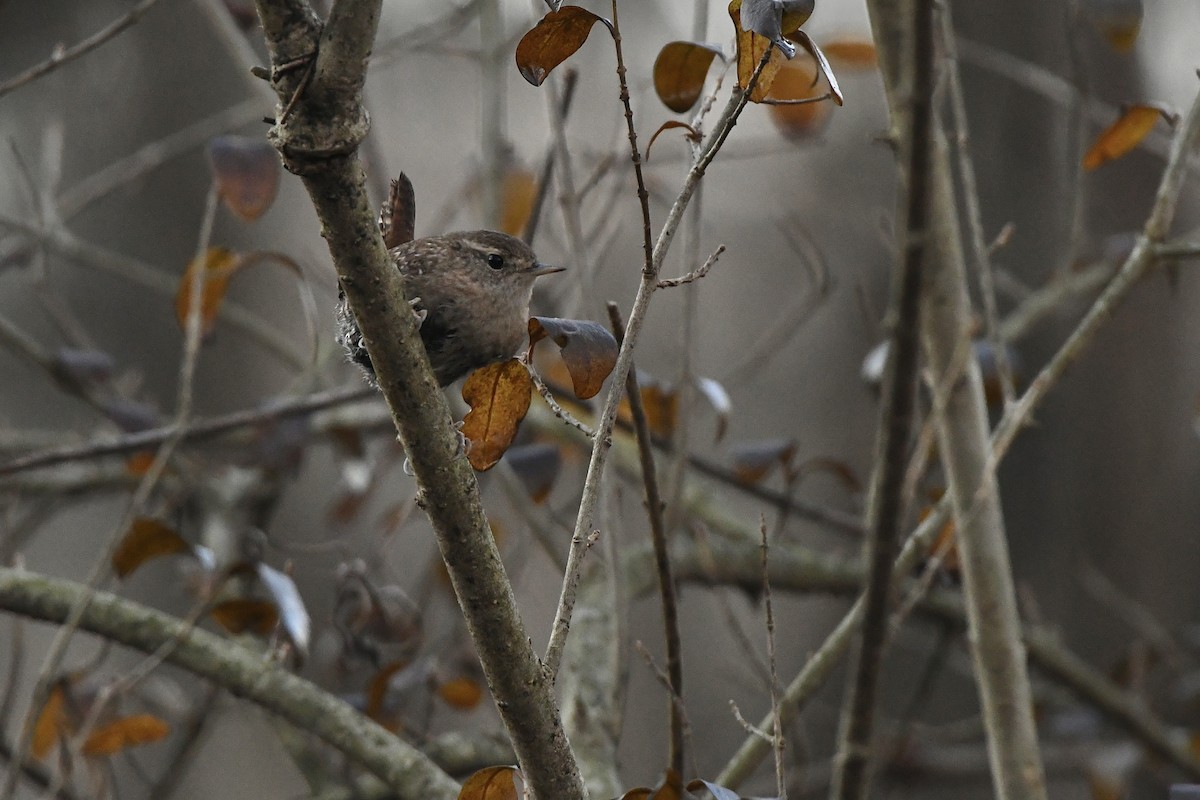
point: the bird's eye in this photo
(495, 261)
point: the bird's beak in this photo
(541, 269)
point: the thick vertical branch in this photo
(960, 416)
(319, 142)
(851, 779)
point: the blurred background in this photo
(105, 186)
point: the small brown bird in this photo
(471, 290)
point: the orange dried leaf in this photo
(1126, 133)
(553, 40)
(753, 461)
(146, 539)
(499, 396)
(795, 81)
(461, 693)
(51, 725)
(246, 170)
(242, 615)
(139, 463)
(588, 350)
(852, 53)
(219, 266)
(491, 783)
(124, 733)
(378, 687)
(750, 50)
(537, 465)
(680, 71)
(666, 126)
(517, 197)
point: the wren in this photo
(470, 291)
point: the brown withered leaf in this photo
(491, 783)
(499, 396)
(753, 461)
(52, 723)
(692, 133)
(377, 692)
(680, 71)
(398, 217)
(553, 40)
(461, 693)
(712, 391)
(795, 81)
(146, 538)
(246, 169)
(588, 350)
(246, 614)
(124, 733)
(219, 265)
(751, 47)
(804, 40)
(139, 463)
(1119, 21)
(516, 200)
(852, 53)
(1126, 133)
(718, 792)
(537, 465)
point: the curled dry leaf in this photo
(461, 693)
(718, 792)
(246, 170)
(797, 80)
(804, 40)
(1126, 133)
(124, 733)
(292, 612)
(517, 197)
(719, 399)
(537, 465)
(1118, 21)
(377, 691)
(499, 396)
(588, 349)
(398, 216)
(219, 265)
(753, 461)
(680, 71)
(52, 723)
(491, 783)
(553, 40)
(246, 615)
(751, 46)
(666, 126)
(146, 539)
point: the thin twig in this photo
(662, 559)
(559, 411)
(566, 603)
(570, 80)
(694, 275)
(776, 716)
(60, 57)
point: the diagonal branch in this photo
(319, 142)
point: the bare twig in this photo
(662, 560)
(566, 603)
(776, 715)
(559, 411)
(694, 275)
(65, 56)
